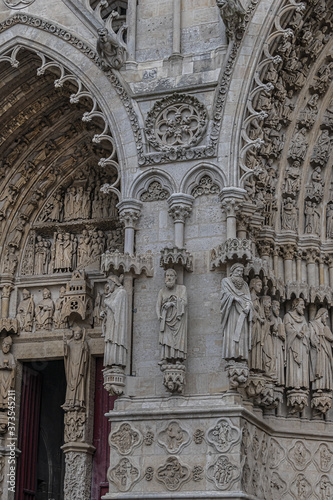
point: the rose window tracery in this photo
(177, 121)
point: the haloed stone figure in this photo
(7, 372)
(171, 309)
(236, 310)
(115, 322)
(321, 358)
(76, 358)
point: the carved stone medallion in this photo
(124, 475)
(173, 474)
(277, 486)
(223, 473)
(299, 456)
(324, 458)
(275, 455)
(324, 488)
(223, 436)
(301, 488)
(177, 121)
(125, 439)
(173, 438)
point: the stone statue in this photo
(25, 311)
(256, 359)
(115, 322)
(76, 358)
(44, 311)
(232, 13)
(10, 260)
(42, 255)
(7, 372)
(321, 354)
(329, 221)
(268, 358)
(289, 215)
(171, 310)
(110, 46)
(297, 352)
(97, 310)
(59, 321)
(312, 218)
(299, 145)
(236, 310)
(321, 149)
(279, 338)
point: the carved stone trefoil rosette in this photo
(232, 249)
(176, 256)
(137, 264)
(174, 377)
(114, 380)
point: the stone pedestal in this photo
(78, 470)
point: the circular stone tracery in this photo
(176, 121)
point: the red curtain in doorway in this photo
(102, 428)
(28, 435)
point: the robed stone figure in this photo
(76, 358)
(7, 372)
(321, 355)
(236, 310)
(115, 322)
(171, 310)
(297, 346)
(25, 311)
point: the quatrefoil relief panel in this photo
(177, 121)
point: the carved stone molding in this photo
(177, 121)
(223, 436)
(174, 256)
(136, 264)
(173, 438)
(124, 475)
(232, 249)
(125, 439)
(173, 474)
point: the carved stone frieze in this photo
(173, 438)
(173, 474)
(177, 121)
(173, 256)
(137, 264)
(125, 439)
(223, 473)
(124, 475)
(223, 436)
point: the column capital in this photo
(180, 206)
(129, 211)
(232, 199)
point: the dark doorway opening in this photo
(41, 464)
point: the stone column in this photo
(5, 296)
(131, 22)
(276, 253)
(180, 207)
(330, 269)
(177, 12)
(288, 256)
(241, 228)
(129, 212)
(321, 271)
(78, 470)
(299, 266)
(311, 257)
(231, 202)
